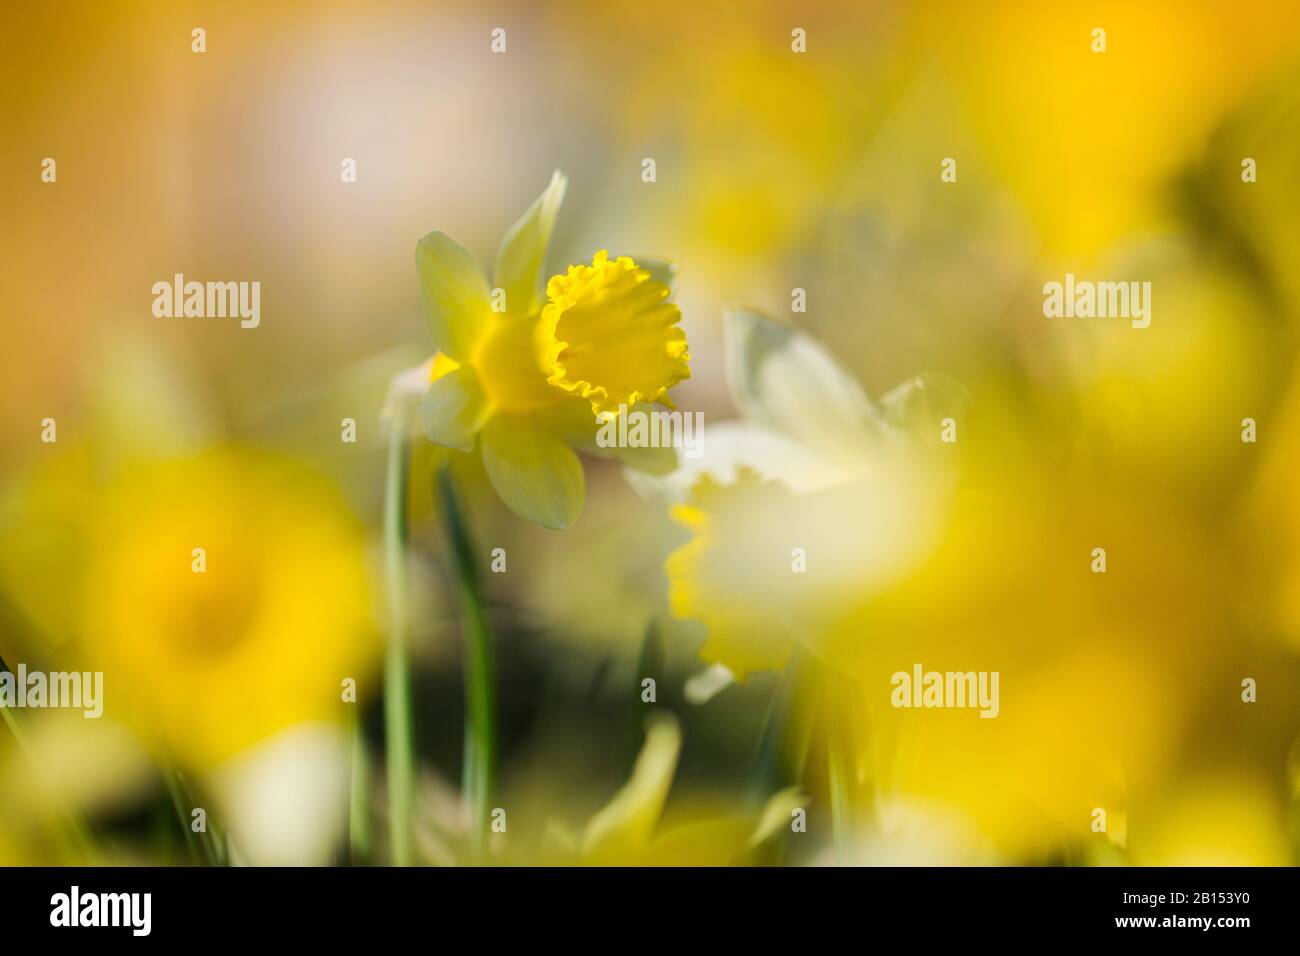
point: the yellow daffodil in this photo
(216, 649)
(225, 595)
(525, 375)
(224, 592)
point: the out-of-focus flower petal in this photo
(731, 446)
(68, 761)
(1229, 820)
(919, 405)
(457, 301)
(733, 581)
(405, 389)
(784, 380)
(911, 832)
(707, 684)
(776, 814)
(284, 801)
(661, 270)
(538, 476)
(522, 257)
(627, 822)
(658, 461)
(454, 409)
(575, 423)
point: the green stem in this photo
(782, 748)
(649, 663)
(779, 756)
(184, 807)
(399, 738)
(479, 676)
(359, 795)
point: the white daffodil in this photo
(815, 477)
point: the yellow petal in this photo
(575, 422)
(454, 409)
(509, 366)
(457, 301)
(523, 250)
(627, 822)
(538, 476)
(777, 813)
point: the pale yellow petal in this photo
(627, 822)
(538, 476)
(457, 301)
(454, 409)
(523, 250)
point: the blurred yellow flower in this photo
(526, 379)
(1086, 110)
(225, 596)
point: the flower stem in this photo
(479, 672)
(783, 746)
(359, 795)
(183, 803)
(398, 736)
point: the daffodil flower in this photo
(815, 472)
(525, 375)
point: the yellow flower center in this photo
(507, 363)
(609, 335)
(508, 360)
(211, 658)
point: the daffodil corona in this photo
(527, 376)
